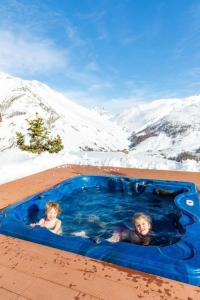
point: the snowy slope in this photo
(163, 134)
(79, 127)
(140, 116)
(171, 126)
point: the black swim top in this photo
(132, 236)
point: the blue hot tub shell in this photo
(179, 261)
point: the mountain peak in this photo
(79, 127)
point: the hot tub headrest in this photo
(171, 193)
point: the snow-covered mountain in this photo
(168, 127)
(162, 134)
(79, 127)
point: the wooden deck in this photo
(33, 271)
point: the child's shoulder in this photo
(58, 221)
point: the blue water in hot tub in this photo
(98, 205)
(96, 212)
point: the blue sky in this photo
(108, 53)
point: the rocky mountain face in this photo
(80, 128)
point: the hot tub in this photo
(94, 206)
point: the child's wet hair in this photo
(142, 216)
(51, 204)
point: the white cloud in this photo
(117, 105)
(114, 105)
(23, 53)
(93, 66)
(82, 98)
(100, 86)
(73, 35)
(128, 38)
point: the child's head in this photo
(52, 209)
(142, 223)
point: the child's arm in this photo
(40, 223)
(114, 238)
(57, 227)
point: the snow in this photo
(17, 164)
(186, 111)
(78, 126)
(81, 128)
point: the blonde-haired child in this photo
(50, 221)
(141, 235)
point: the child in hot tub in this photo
(140, 235)
(50, 221)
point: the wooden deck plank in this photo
(8, 295)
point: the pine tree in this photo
(20, 139)
(55, 145)
(39, 138)
(38, 135)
